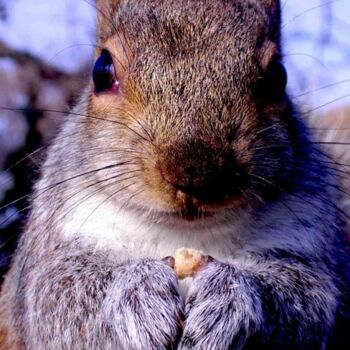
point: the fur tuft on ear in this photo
(105, 16)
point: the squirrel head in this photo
(197, 93)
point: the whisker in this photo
(75, 204)
(322, 88)
(268, 128)
(72, 47)
(307, 11)
(324, 105)
(80, 189)
(127, 202)
(17, 212)
(331, 143)
(105, 200)
(20, 161)
(68, 113)
(50, 187)
(110, 21)
(310, 56)
(282, 190)
(45, 147)
(139, 123)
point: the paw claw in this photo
(170, 261)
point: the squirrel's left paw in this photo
(222, 309)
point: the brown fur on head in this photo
(192, 101)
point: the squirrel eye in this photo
(274, 82)
(103, 74)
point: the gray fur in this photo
(81, 300)
(88, 272)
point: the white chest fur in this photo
(100, 223)
(106, 227)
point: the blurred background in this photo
(46, 50)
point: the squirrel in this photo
(185, 136)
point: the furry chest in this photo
(110, 229)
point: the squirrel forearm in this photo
(260, 304)
(65, 302)
(298, 304)
(85, 301)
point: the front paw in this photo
(222, 310)
(145, 307)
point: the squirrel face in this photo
(197, 93)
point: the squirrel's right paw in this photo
(145, 306)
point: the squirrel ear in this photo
(105, 17)
(273, 10)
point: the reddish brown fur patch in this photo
(268, 51)
(270, 4)
(105, 10)
(172, 99)
(7, 342)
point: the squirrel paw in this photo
(220, 313)
(145, 306)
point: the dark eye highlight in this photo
(273, 83)
(104, 75)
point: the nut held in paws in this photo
(187, 262)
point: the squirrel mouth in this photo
(191, 208)
(192, 213)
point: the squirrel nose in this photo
(205, 175)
